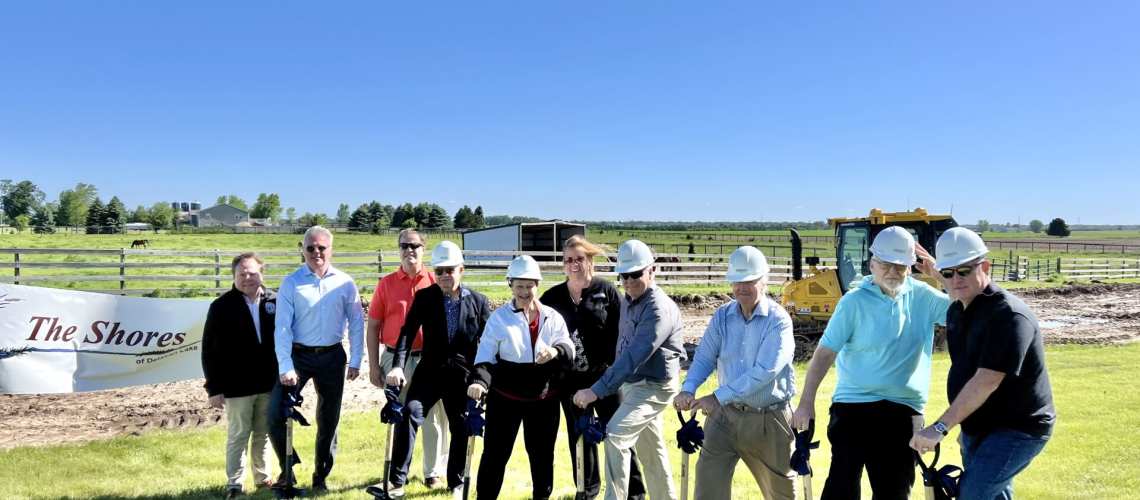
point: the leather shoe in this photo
(234, 493)
(319, 487)
(266, 485)
(432, 482)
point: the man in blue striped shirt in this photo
(314, 306)
(749, 341)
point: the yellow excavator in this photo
(811, 299)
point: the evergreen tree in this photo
(404, 216)
(438, 218)
(43, 222)
(463, 217)
(1058, 227)
(95, 213)
(361, 218)
(477, 221)
(115, 217)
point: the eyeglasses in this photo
(888, 267)
(313, 249)
(574, 260)
(440, 271)
(410, 246)
(636, 275)
(962, 271)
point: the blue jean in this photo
(990, 462)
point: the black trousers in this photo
(540, 431)
(326, 370)
(876, 436)
(605, 409)
(432, 385)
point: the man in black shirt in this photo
(998, 385)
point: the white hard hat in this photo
(895, 245)
(747, 264)
(958, 246)
(524, 267)
(446, 254)
(633, 256)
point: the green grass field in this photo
(1092, 454)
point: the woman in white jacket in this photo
(513, 368)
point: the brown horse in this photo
(139, 244)
(668, 260)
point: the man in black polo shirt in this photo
(998, 384)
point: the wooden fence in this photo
(58, 268)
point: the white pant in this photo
(245, 418)
(637, 425)
(434, 430)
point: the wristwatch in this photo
(940, 427)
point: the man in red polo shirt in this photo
(390, 304)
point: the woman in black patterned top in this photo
(591, 307)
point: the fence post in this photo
(17, 268)
(217, 268)
(380, 261)
(1058, 265)
(122, 269)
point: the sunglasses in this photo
(410, 246)
(312, 249)
(440, 271)
(888, 267)
(574, 260)
(636, 275)
(962, 271)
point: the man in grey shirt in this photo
(649, 353)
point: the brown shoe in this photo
(433, 482)
(234, 493)
(266, 485)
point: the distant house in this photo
(223, 215)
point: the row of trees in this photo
(1057, 227)
(24, 205)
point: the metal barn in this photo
(527, 237)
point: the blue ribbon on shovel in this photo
(591, 429)
(393, 412)
(293, 400)
(943, 480)
(474, 418)
(801, 458)
(690, 437)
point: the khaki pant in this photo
(637, 425)
(762, 439)
(245, 417)
(434, 430)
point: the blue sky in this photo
(586, 109)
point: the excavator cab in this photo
(811, 299)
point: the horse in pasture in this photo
(139, 244)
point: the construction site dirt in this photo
(1076, 314)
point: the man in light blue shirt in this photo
(882, 334)
(314, 306)
(750, 339)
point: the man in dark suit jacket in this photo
(452, 317)
(241, 368)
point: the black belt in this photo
(317, 350)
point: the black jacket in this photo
(438, 354)
(234, 362)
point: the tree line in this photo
(24, 205)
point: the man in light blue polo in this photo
(882, 334)
(314, 306)
(750, 340)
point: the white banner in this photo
(54, 341)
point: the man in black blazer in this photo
(241, 367)
(452, 317)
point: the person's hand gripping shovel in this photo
(690, 438)
(473, 418)
(801, 457)
(940, 484)
(590, 430)
(392, 414)
(290, 406)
